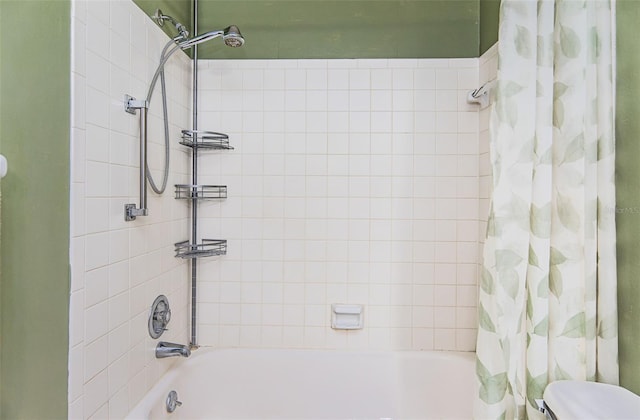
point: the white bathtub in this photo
(310, 384)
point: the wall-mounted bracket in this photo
(482, 96)
(131, 104)
(131, 212)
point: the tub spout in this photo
(164, 349)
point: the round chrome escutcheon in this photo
(159, 317)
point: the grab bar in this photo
(130, 106)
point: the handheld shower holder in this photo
(131, 104)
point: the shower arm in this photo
(131, 104)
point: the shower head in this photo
(160, 18)
(231, 37)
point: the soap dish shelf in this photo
(200, 192)
(199, 139)
(208, 248)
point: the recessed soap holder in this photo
(347, 317)
(159, 317)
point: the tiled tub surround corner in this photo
(352, 181)
(118, 268)
(488, 70)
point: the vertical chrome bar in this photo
(143, 159)
(194, 181)
(130, 106)
(194, 98)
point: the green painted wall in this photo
(299, 29)
(489, 20)
(343, 29)
(628, 191)
(34, 250)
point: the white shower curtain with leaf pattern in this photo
(547, 306)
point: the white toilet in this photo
(579, 400)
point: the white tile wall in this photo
(118, 268)
(358, 181)
(352, 181)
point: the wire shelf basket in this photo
(199, 139)
(208, 248)
(200, 192)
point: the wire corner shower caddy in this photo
(201, 140)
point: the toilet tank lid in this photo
(591, 400)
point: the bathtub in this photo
(311, 384)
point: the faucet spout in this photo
(165, 349)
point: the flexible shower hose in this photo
(160, 72)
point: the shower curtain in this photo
(547, 301)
